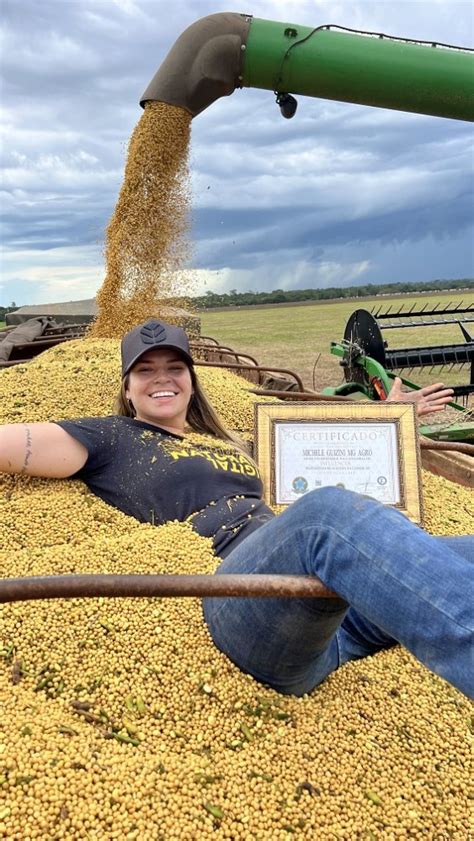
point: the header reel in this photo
(370, 367)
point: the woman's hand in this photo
(430, 398)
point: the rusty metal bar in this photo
(161, 586)
(41, 342)
(451, 446)
(300, 395)
(212, 353)
(206, 346)
(225, 351)
(258, 368)
(210, 339)
(10, 362)
(246, 359)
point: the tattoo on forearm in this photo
(28, 450)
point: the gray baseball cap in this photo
(153, 335)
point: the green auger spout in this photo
(222, 52)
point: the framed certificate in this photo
(371, 448)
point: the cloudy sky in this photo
(341, 194)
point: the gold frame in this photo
(267, 415)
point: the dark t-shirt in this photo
(156, 476)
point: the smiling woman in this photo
(160, 385)
(159, 390)
(157, 385)
(143, 461)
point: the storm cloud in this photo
(341, 194)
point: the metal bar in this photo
(459, 390)
(454, 446)
(301, 395)
(225, 351)
(79, 326)
(216, 353)
(12, 362)
(467, 335)
(216, 347)
(41, 342)
(163, 586)
(463, 390)
(258, 368)
(210, 339)
(420, 357)
(424, 311)
(246, 356)
(58, 337)
(433, 323)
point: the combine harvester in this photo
(222, 52)
(211, 59)
(368, 363)
(370, 367)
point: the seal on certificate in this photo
(299, 485)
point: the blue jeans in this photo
(396, 584)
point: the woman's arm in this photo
(40, 449)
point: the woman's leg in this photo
(409, 586)
(357, 637)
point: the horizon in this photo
(13, 306)
(340, 195)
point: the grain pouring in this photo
(146, 243)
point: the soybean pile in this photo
(120, 718)
(147, 243)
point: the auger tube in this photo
(221, 52)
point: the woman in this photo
(394, 582)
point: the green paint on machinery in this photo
(225, 51)
(370, 367)
(339, 64)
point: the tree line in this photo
(4, 310)
(282, 296)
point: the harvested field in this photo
(294, 336)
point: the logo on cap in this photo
(152, 333)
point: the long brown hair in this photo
(200, 416)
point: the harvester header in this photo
(225, 51)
